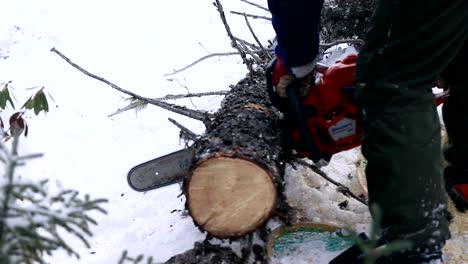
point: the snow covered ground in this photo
(133, 44)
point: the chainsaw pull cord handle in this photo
(297, 114)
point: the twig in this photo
(345, 190)
(250, 45)
(30, 156)
(255, 37)
(186, 88)
(250, 15)
(341, 41)
(256, 5)
(207, 57)
(184, 130)
(204, 48)
(248, 51)
(233, 40)
(201, 59)
(198, 115)
(180, 96)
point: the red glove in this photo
(283, 77)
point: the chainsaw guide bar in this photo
(162, 171)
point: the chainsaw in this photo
(320, 124)
(327, 119)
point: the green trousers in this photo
(408, 44)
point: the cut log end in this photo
(230, 197)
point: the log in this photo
(234, 181)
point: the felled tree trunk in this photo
(233, 185)
(236, 180)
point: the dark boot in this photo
(354, 255)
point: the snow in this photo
(134, 44)
(318, 199)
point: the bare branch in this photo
(248, 51)
(233, 40)
(345, 190)
(250, 15)
(341, 41)
(256, 39)
(198, 115)
(180, 96)
(184, 130)
(256, 5)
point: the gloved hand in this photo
(283, 77)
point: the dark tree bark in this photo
(205, 253)
(345, 19)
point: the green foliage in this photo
(135, 260)
(370, 247)
(5, 97)
(37, 102)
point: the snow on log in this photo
(233, 185)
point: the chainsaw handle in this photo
(442, 97)
(297, 114)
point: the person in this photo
(406, 47)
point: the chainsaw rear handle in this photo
(294, 109)
(297, 114)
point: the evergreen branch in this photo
(29, 225)
(10, 170)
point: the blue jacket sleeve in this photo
(296, 23)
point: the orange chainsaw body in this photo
(331, 111)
